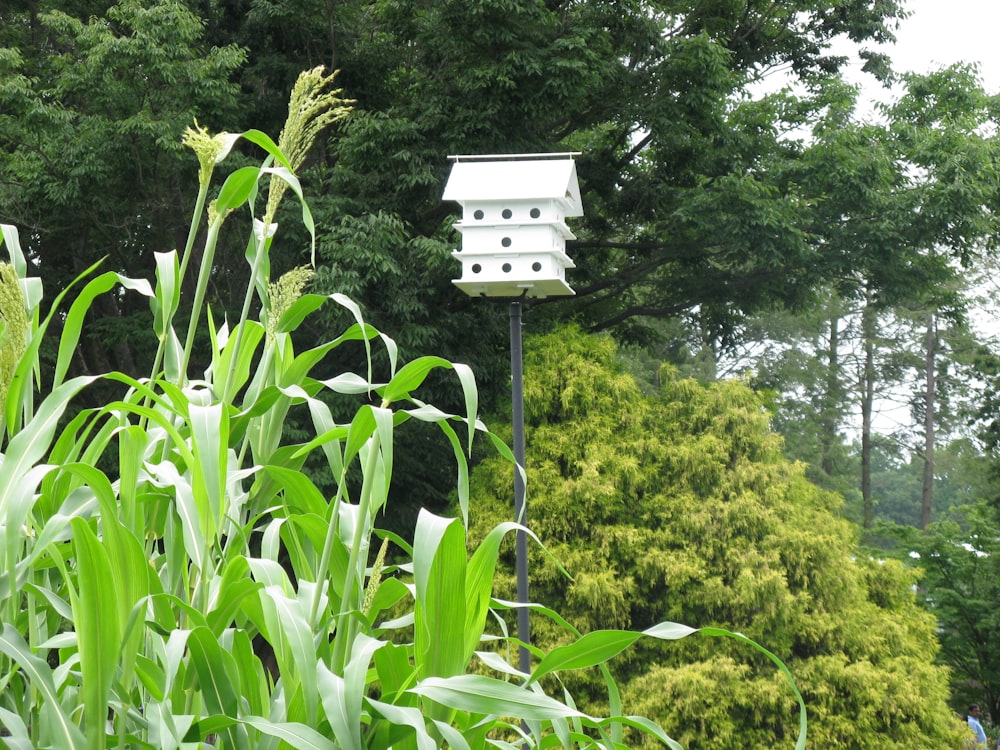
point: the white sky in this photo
(937, 33)
(941, 32)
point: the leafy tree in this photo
(959, 557)
(961, 476)
(92, 108)
(908, 204)
(682, 211)
(680, 504)
(695, 209)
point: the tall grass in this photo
(137, 603)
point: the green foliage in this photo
(691, 210)
(909, 205)
(92, 108)
(687, 204)
(682, 502)
(958, 557)
(13, 326)
(201, 591)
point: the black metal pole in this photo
(520, 503)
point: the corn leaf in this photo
(298, 736)
(73, 323)
(210, 442)
(168, 292)
(99, 635)
(409, 717)
(594, 648)
(39, 675)
(485, 695)
(237, 189)
(298, 641)
(439, 568)
(479, 585)
(217, 673)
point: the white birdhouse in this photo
(513, 224)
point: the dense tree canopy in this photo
(959, 557)
(679, 506)
(682, 211)
(692, 208)
(92, 108)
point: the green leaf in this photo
(390, 591)
(265, 142)
(16, 735)
(298, 736)
(132, 443)
(237, 189)
(342, 696)
(395, 670)
(303, 363)
(649, 727)
(98, 626)
(168, 292)
(20, 384)
(217, 673)
(485, 695)
(210, 445)
(361, 429)
(10, 237)
(409, 717)
(235, 585)
(223, 362)
(594, 648)
(297, 639)
(411, 376)
(151, 675)
(73, 324)
(301, 495)
(254, 681)
(284, 173)
(26, 448)
(479, 585)
(439, 569)
(39, 675)
(187, 508)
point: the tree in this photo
(682, 213)
(959, 557)
(961, 476)
(680, 505)
(908, 205)
(92, 108)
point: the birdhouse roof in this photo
(515, 179)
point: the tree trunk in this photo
(930, 416)
(868, 324)
(832, 397)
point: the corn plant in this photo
(205, 593)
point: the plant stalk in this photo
(345, 623)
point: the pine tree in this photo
(680, 506)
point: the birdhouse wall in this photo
(512, 239)
(533, 274)
(512, 211)
(513, 224)
(526, 266)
